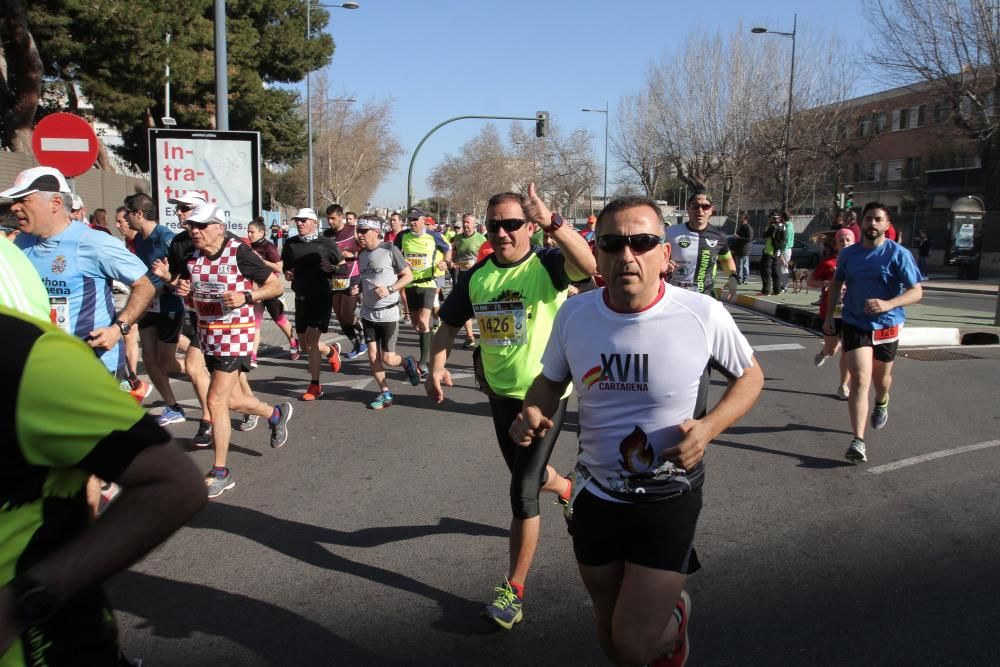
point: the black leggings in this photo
(526, 464)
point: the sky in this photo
(443, 58)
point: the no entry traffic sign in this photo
(66, 142)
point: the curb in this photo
(960, 290)
(910, 337)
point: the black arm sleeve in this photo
(457, 308)
(251, 265)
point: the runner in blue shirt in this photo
(160, 327)
(881, 278)
(77, 265)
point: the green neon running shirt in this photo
(20, 285)
(62, 418)
(515, 307)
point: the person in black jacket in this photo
(741, 249)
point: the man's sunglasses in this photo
(639, 243)
(184, 208)
(202, 226)
(509, 226)
(703, 207)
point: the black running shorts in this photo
(168, 325)
(420, 297)
(381, 333)
(227, 364)
(658, 535)
(313, 312)
(854, 338)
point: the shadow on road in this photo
(805, 460)
(306, 543)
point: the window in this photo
(941, 111)
(911, 167)
(879, 117)
(895, 170)
(865, 126)
(896, 118)
(917, 115)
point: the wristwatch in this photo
(248, 296)
(33, 602)
(391, 289)
(557, 222)
(123, 326)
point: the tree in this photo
(634, 144)
(482, 168)
(20, 78)
(114, 54)
(569, 169)
(953, 48)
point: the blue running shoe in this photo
(880, 415)
(357, 351)
(412, 372)
(505, 611)
(382, 401)
(171, 416)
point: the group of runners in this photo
(632, 500)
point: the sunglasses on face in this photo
(509, 226)
(639, 243)
(202, 226)
(703, 207)
(184, 208)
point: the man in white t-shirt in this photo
(383, 272)
(644, 428)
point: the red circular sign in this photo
(66, 142)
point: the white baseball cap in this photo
(305, 214)
(207, 213)
(190, 198)
(36, 179)
(77, 203)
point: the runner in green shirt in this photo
(464, 250)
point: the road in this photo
(374, 538)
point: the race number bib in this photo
(418, 261)
(886, 335)
(501, 323)
(207, 298)
(59, 312)
(340, 283)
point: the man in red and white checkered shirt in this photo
(223, 278)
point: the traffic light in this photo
(849, 195)
(838, 201)
(541, 123)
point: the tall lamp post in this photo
(605, 112)
(791, 85)
(309, 118)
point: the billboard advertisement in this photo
(224, 166)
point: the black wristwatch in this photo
(248, 296)
(557, 222)
(123, 326)
(33, 602)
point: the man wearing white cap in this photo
(223, 278)
(77, 211)
(180, 251)
(309, 260)
(77, 265)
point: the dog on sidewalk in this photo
(800, 278)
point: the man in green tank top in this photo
(514, 295)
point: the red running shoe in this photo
(312, 393)
(683, 647)
(334, 357)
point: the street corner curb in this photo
(929, 336)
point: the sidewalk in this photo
(926, 325)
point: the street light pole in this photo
(605, 112)
(788, 116)
(309, 118)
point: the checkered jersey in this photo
(222, 332)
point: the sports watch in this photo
(248, 296)
(123, 326)
(557, 222)
(33, 602)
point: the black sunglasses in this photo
(639, 243)
(510, 225)
(703, 207)
(200, 225)
(184, 208)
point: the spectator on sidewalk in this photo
(741, 249)
(786, 250)
(923, 252)
(774, 241)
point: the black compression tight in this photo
(526, 464)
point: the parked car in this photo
(804, 254)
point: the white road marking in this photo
(65, 144)
(778, 346)
(888, 467)
(353, 384)
(461, 376)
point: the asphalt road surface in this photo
(375, 537)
